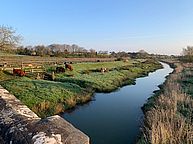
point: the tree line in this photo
(9, 42)
(56, 50)
(187, 54)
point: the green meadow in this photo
(68, 89)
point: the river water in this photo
(115, 118)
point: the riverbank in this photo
(68, 89)
(19, 125)
(168, 114)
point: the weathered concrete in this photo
(19, 125)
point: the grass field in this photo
(74, 87)
(16, 60)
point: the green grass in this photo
(5, 76)
(74, 87)
(92, 66)
(34, 92)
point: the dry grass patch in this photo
(170, 120)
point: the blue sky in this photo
(157, 26)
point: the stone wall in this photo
(19, 125)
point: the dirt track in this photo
(36, 60)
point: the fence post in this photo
(53, 76)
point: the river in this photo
(115, 118)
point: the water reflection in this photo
(114, 118)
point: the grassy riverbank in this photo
(74, 87)
(169, 113)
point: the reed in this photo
(170, 119)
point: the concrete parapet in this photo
(19, 125)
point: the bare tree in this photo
(188, 51)
(8, 38)
(92, 50)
